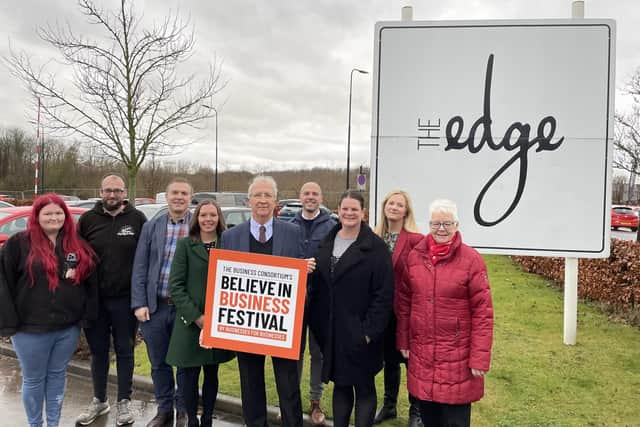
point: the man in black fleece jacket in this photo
(112, 228)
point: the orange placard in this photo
(255, 303)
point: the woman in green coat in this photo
(188, 282)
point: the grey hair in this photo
(264, 178)
(444, 206)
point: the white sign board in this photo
(512, 120)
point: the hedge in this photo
(613, 281)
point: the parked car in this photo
(290, 208)
(288, 213)
(13, 220)
(233, 215)
(67, 198)
(151, 209)
(144, 200)
(224, 198)
(87, 204)
(4, 204)
(624, 216)
(286, 203)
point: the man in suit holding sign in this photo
(264, 235)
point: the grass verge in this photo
(534, 380)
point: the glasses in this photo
(112, 190)
(447, 225)
(262, 196)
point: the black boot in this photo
(414, 415)
(391, 387)
(385, 413)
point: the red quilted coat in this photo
(445, 319)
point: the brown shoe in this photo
(316, 414)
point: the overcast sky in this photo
(287, 64)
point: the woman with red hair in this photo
(47, 292)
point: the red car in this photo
(624, 216)
(13, 220)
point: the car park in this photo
(150, 210)
(233, 215)
(284, 203)
(67, 198)
(224, 198)
(287, 209)
(14, 220)
(624, 216)
(288, 213)
(144, 201)
(87, 204)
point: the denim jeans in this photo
(115, 319)
(44, 358)
(156, 333)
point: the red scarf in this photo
(438, 251)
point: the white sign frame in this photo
(563, 69)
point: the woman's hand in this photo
(478, 373)
(200, 342)
(200, 321)
(405, 353)
(311, 265)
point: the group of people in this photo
(375, 298)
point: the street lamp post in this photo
(216, 170)
(349, 124)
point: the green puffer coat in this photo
(188, 283)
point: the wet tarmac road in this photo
(77, 396)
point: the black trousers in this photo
(392, 360)
(190, 394)
(436, 414)
(115, 319)
(365, 403)
(252, 387)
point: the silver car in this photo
(232, 215)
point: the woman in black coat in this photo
(350, 301)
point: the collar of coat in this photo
(198, 248)
(355, 254)
(423, 248)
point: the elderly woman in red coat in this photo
(445, 321)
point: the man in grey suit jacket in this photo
(266, 235)
(151, 298)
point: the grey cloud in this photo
(288, 65)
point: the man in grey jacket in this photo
(151, 297)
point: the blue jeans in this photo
(44, 359)
(156, 333)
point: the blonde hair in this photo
(409, 223)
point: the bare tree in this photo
(127, 97)
(627, 137)
(627, 140)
